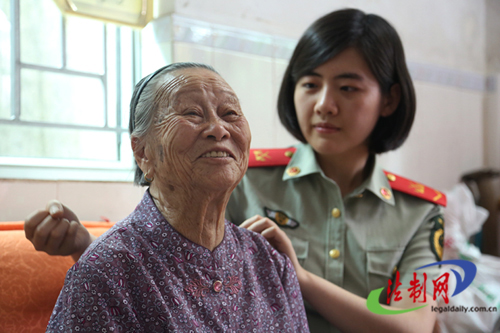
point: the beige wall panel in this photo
(19, 198)
(446, 140)
(93, 200)
(492, 127)
(447, 32)
(281, 136)
(251, 78)
(185, 52)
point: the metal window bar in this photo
(64, 55)
(105, 76)
(17, 66)
(118, 91)
(62, 125)
(15, 58)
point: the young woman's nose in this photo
(326, 103)
(216, 129)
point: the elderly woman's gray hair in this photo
(145, 102)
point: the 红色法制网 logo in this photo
(418, 290)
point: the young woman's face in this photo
(339, 103)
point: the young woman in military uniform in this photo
(347, 96)
(348, 226)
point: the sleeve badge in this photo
(281, 218)
(437, 236)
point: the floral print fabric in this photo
(143, 276)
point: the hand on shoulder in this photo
(275, 236)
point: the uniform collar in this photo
(377, 183)
(303, 163)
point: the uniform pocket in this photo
(301, 248)
(381, 265)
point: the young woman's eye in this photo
(309, 85)
(348, 88)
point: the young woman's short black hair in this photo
(379, 44)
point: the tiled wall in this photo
(448, 33)
(252, 63)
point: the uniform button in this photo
(335, 212)
(217, 286)
(334, 254)
(391, 177)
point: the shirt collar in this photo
(377, 183)
(303, 163)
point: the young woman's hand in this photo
(275, 236)
(56, 230)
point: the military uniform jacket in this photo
(356, 242)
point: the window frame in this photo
(70, 169)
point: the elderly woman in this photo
(175, 264)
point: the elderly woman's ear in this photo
(143, 156)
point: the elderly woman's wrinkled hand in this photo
(56, 230)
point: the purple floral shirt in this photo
(143, 276)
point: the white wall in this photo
(446, 32)
(492, 105)
(492, 125)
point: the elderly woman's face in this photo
(200, 136)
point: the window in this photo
(65, 87)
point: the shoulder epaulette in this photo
(415, 189)
(270, 157)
